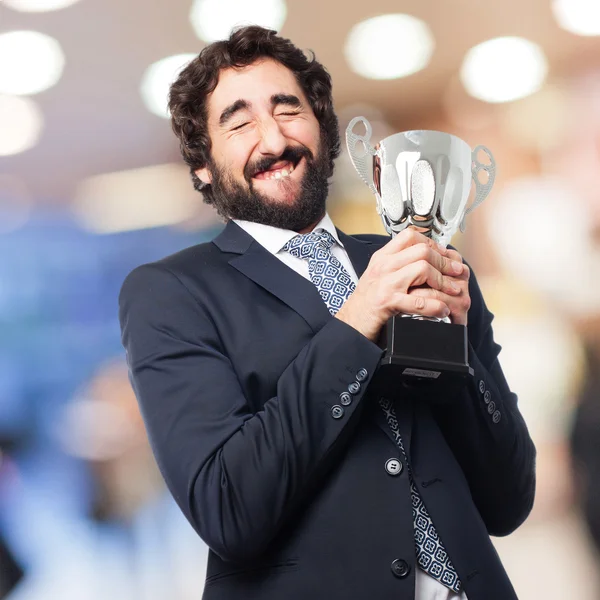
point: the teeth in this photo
(279, 174)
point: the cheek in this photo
(307, 133)
(235, 158)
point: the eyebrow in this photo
(232, 109)
(238, 105)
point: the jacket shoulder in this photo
(190, 261)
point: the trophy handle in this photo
(482, 190)
(361, 159)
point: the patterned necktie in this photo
(335, 286)
(326, 272)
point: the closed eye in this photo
(239, 127)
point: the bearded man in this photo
(255, 363)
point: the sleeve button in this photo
(354, 388)
(487, 396)
(481, 386)
(496, 417)
(362, 375)
(337, 412)
(345, 398)
(491, 407)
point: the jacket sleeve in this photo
(236, 475)
(487, 433)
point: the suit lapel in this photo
(270, 273)
(404, 409)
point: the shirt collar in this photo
(274, 238)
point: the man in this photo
(255, 364)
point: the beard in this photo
(233, 200)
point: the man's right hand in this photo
(408, 260)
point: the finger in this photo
(458, 306)
(456, 256)
(410, 237)
(423, 273)
(417, 305)
(419, 252)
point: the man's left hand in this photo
(459, 305)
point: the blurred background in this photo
(91, 185)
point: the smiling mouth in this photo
(280, 170)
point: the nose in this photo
(272, 141)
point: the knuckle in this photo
(443, 263)
(375, 268)
(423, 265)
(405, 234)
(423, 251)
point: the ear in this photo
(204, 175)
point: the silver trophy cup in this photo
(422, 179)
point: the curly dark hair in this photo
(246, 45)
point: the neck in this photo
(308, 229)
(311, 226)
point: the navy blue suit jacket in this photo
(237, 363)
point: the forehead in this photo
(256, 84)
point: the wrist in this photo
(367, 326)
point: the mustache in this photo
(291, 154)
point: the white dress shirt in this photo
(274, 239)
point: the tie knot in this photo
(310, 245)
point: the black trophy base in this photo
(424, 355)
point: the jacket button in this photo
(481, 386)
(337, 412)
(362, 375)
(487, 396)
(496, 417)
(345, 398)
(354, 388)
(400, 568)
(491, 407)
(393, 466)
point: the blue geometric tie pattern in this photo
(327, 273)
(335, 286)
(431, 554)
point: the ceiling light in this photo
(504, 69)
(389, 46)
(30, 62)
(213, 20)
(157, 80)
(581, 17)
(20, 123)
(38, 5)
